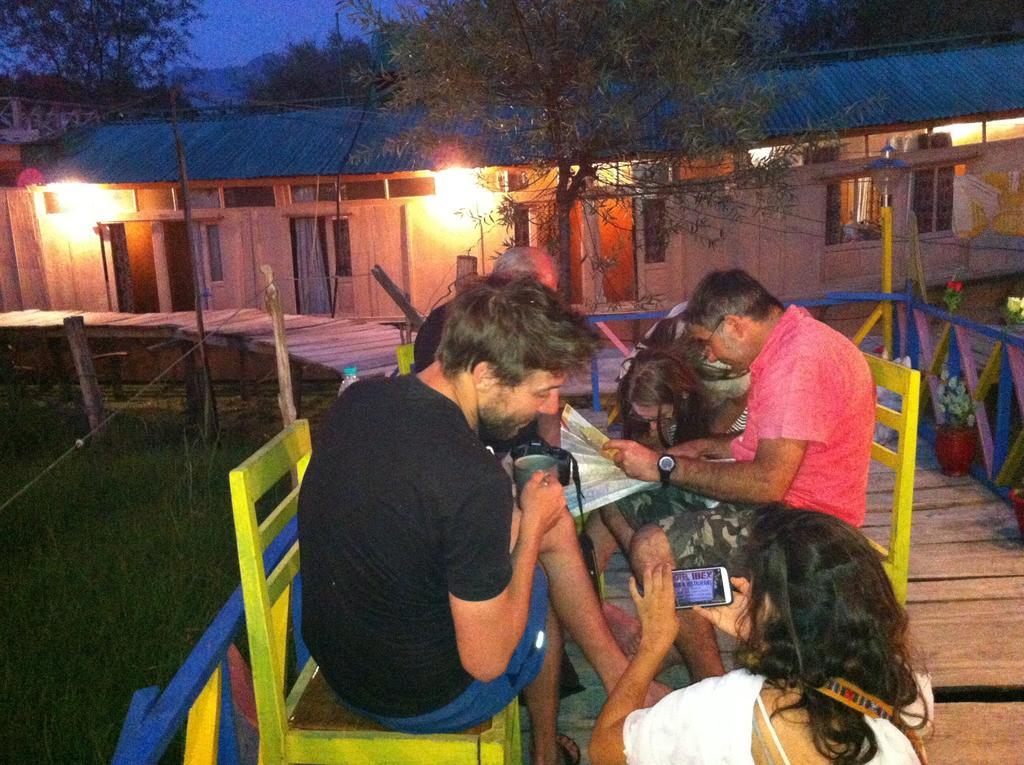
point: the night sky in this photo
(235, 31)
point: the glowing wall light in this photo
(87, 200)
(75, 208)
(460, 199)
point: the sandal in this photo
(569, 749)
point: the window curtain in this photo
(312, 288)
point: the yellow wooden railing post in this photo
(887, 277)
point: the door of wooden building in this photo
(128, 262)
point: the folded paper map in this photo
(601, 480)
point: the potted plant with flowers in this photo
(955, 440)
(953, 295)
(1013, 314)
(1017, 503)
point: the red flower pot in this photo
(1017, 500)
(955, 449)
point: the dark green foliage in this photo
(105, 47)
(581, 85)
(309, 71)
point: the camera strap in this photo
(855, 697)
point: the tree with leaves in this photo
(109, 48)
(575, 88)
(308, 71)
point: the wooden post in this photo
(296, 369)
(285, 398)
(465, 268)
(192, 380)
(74, 327)
(243, 374)
(209, 421)
(886, 213)
(57, 372)
(400, 298)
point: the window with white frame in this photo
(206, 237)
(852, 211)
(933, 198)
(654, 233)
(521, 226)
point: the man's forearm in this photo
(524, 564)
(731, 481)
(716, 445)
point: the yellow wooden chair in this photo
(902, 460)
(404, 354)
(310, 726)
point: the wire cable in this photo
(101, 427)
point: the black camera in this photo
(567, 468)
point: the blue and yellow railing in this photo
(934, 340)
(199, 696)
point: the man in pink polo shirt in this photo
(807, 441)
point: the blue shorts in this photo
(482, 701)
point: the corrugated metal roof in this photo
(310, 142)
(902, 88)
(844, 95)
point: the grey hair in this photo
(517, 260)
(729, 293)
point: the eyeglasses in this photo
(707, 341)
(660, 417)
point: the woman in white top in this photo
(824, 646)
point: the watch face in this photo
(666, 462)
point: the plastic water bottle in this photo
(349, 377)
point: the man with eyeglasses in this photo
(807, 442)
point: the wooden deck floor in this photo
(966, 604)
(330, 343)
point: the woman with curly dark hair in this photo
(827, 674)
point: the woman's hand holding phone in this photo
(731, 619)
(656, 608)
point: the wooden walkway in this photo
(329, 343)
(966, 604)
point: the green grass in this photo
(112, 565)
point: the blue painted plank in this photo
(301, 650)
(594, 318)
(145, 741)
(227, 735)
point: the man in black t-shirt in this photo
(424, 589)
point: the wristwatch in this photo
(666, 464)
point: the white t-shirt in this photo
(711, 723)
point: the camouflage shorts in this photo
(701, 531)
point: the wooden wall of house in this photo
(789, 255)
(437, 236)
(23, 283)
(418, 239)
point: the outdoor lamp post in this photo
(885, 171)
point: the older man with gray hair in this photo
(515, 261)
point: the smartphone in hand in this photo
(701, 587)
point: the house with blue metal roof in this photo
(322, 196)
